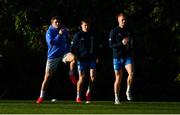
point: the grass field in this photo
(96, 107)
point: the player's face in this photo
(56, 23)
(84, 26)
(121, 21)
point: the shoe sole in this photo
(88, 102)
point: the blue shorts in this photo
(118, 63)
(83, 65)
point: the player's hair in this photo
(55, 18)
(85, 20)
(120, 14)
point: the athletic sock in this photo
(88, 90)
(116, 96)
(78, 95)
(128, 89)
(42, 93)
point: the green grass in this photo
(96, 107)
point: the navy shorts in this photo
(118, 63)
(83, 65)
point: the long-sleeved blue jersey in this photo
(57, 44)
(84, 46)
(115, 42)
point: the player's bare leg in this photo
(71, 59)
(129, 81)
(47, 77)
(117, 85)
(79, 86)
(90, 86)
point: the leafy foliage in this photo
(34, 36)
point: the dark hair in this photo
(55, 18)
(120, 14)
(85, 20)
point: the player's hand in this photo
(61, 31)
(97, 60)
(125, 41)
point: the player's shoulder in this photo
(77, 35)
(114, 30)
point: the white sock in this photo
(42, 93)
(78, 95)
(88, 90)
(128, 89)
(116, 96)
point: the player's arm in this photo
(74, 44)
(53, 40)
(112, 42)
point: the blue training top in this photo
(57, 44)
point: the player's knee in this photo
(130, 77)
(118, 79)
(117, 82)
(80, 79)
(72, 59)
(131, 74)
(47, 78)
